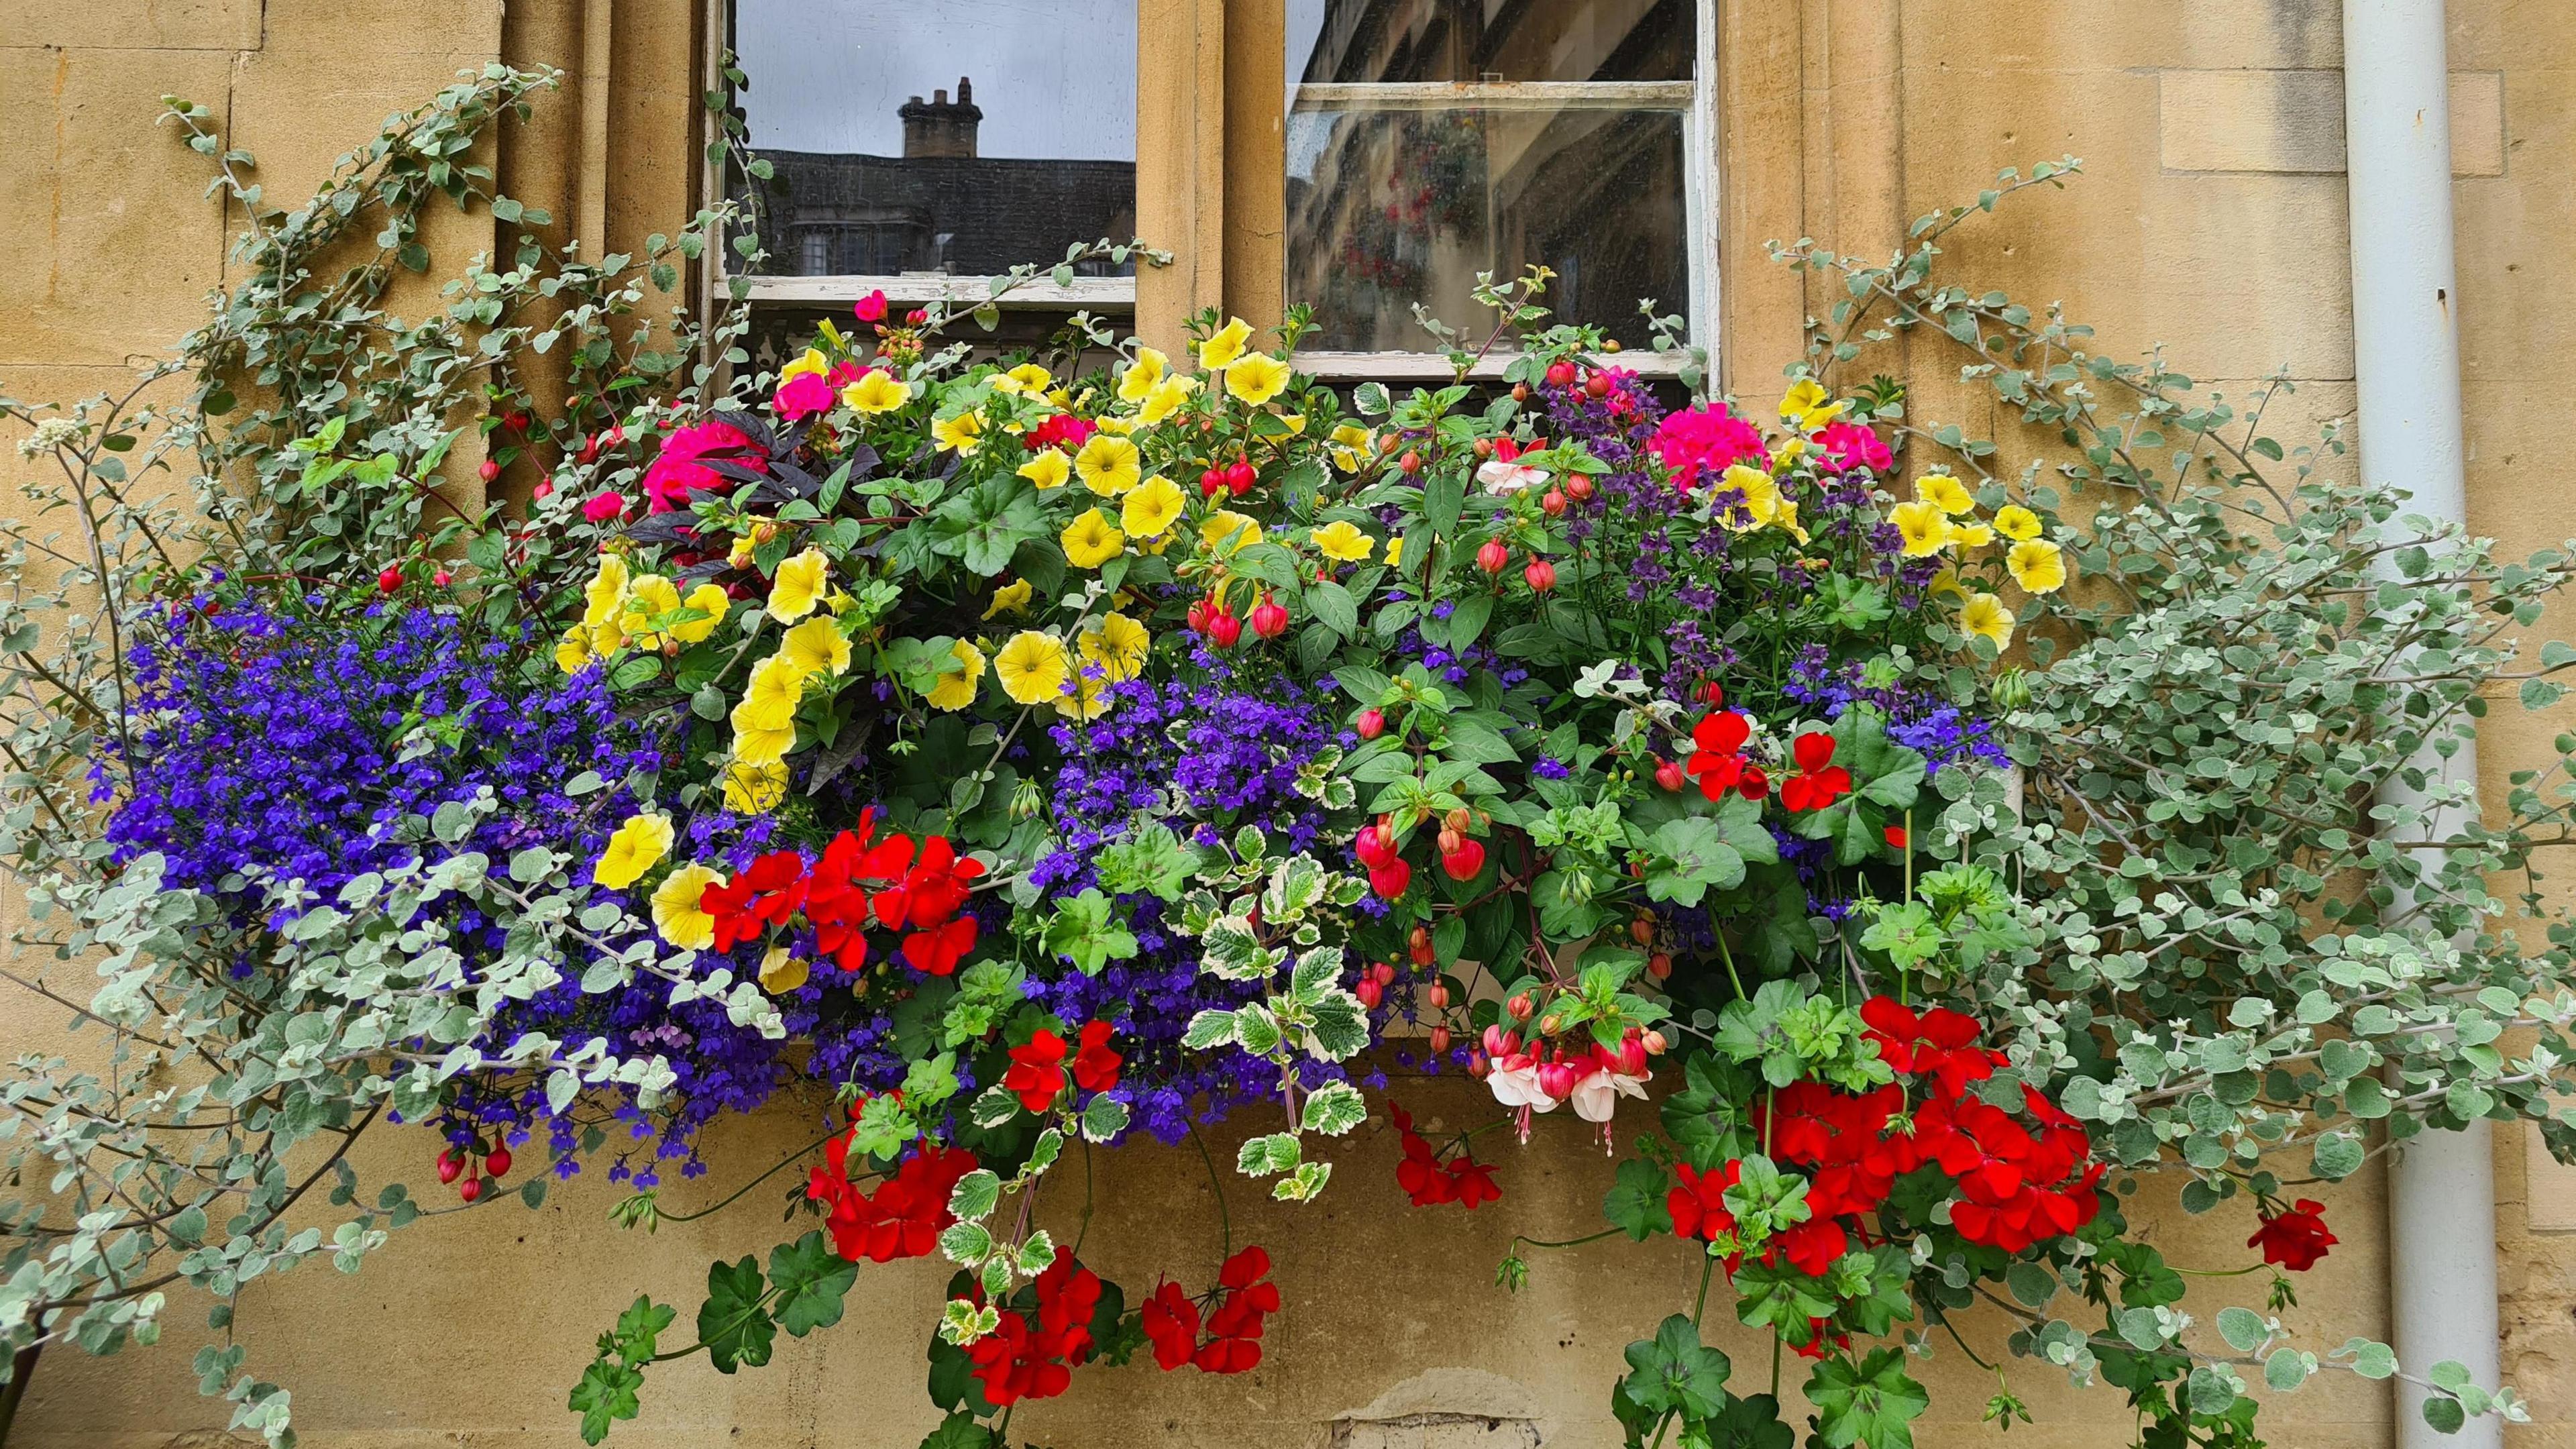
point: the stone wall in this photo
(2212, 220)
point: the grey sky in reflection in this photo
(1055, 78)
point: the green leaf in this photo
(2286, 1369)
(1333, 606)
(2337, 1155)
(1103, 1118)
(607, 1392)
(1872, 1402)
(1636, 1204)
(2243, 1328)
(1263, 1156)
(972, 1199)
(1674, 1372)
(733, 1323)
(811, 1281)
(1332, 1109)
(2444, 1413)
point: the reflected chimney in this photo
(939, 126)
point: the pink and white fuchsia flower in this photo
(1592, 1080)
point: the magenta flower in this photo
(603, 506)
(677, 472)
(1845, 446)
(802, 396)
(1702, 442)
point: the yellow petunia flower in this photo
(1048, 469)
(963, 433)
(818, 647)
(1805, 406)
(1086, 698)
(1342, 540)
(678, 910)
(1219, 351)
(1296, 422)
(1108, 464)
(1091, 540)
(754, 789)
(648, 597)
(572, 651)
(955, 689)
(1985, 617)
(1946, 491)
(1395, 553)
(1925, 527)
(762, 749)
(877, 391)
(1227, 531)
(637, 847)
(1118, 646)
(799, 586)
(1761, 497)
(1026, 380)
(1114, 424)
(1031, 667)
(1353, 447)
(769, 699)
(2016, 522)
(2037, 565)
(1971, 535)
(1010, 598)
(710, 600)
(1165, 400)
(1946, 585)
(1257, 377)
(782, 971)
(1785, 519)
(604, 597)
(813, 361)
(1151, 508)
(1140, 377)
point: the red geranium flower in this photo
(802, 396)
(1717, 757)
(1013, 1364)
(1036, 1073)
(1429, 1182)
(1234, 1325)
(2295, 1239)
(1063, 430)
(1171, 1323)
(768, 891)
(1940, 1043)
(1819, 781)
(1698, 1206)
(903, 1217)
(1095, 1063)
(938, 950)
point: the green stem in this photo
(1520, 1242)
(1216, 1184)
(1707, 1270)
(736, 1195)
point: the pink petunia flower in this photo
(1700, 443)
(802, 396)
(678, 470)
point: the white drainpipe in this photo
(2406, 357)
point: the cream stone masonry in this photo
(2211, 220)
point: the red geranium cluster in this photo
(903, 1217)
(1035, 1359)
(859, 881)
(1036, 1074)
(1429, 1182)
(1388, 871)
(2295, 1238)
(1227, 1340)
(2020, 1182)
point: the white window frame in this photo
(1695, 100)
(902, 289)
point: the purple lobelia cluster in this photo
(1203, 755)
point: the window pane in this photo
(1344, 41)
(1389, 207)
(889, 161)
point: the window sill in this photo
(1434, 367)
(915, 289)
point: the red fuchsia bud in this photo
(1223, 629)
(545, 488)
(1478, 1067)
(1372, 723)
(391, 579)
(1241, 476)
(1493, 558)
(1550, 1025)
(1553, 504)
(1484, 447)
(614, 437)
(451, 1165)
(1713, 693)
(1440, 1041)
(1411, 462)
(1560, 373)
(1671, 775)
(1464, 862)
(1519, 1006)
(1541, 575)
(1578, 488)
(1269, 620)
(1556, 1079)
(516, 422)
(1659, 965)
(1449, 839)
(1461, 820)
(1384, 973)
(1642, 930)
(1391, 879)
(498, 1163)
(1369, 992)
(442, 578)
(1520, 392)
(470, 1189)
(1654, 1043)
(1598, 384)
(1421, 955)
(490, 470)
(1211, 482)
(1438, 995)
(1198, 616)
